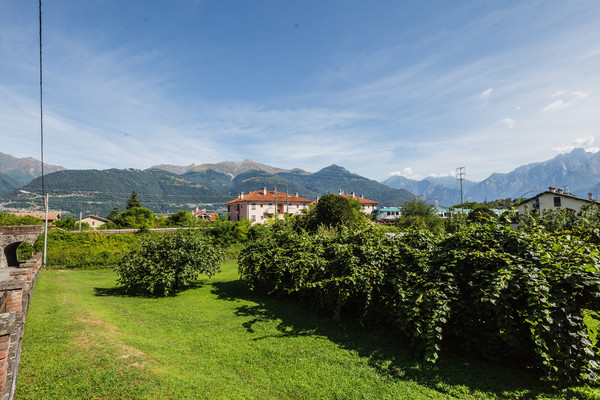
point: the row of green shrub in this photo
(87, 250)
(7, 219)
(485, 289)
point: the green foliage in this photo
(136, 217)
(24, 251)
(133, 201)
(108, 226)
(417, 214)
(487, 288)
(335, 210)
(7, 219)
(113, 214)
(87, 250)
(227, 233)
(417, 208)
(332, 210)
(69, 223)
(455, 222)
(481, 213)
(181, 218)
(166, 263)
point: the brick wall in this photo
(16, 288)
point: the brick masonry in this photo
(16, 288)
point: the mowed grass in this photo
(85, 339)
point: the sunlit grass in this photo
(85, 339)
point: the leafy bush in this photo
(135, 217)
(227, 233)
(164, 264)
(24, 251)
(7, 219)
(181, 218)
(490, 289)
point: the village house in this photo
(553, 199)
(205, 216)
(94, 221)
(259, 205)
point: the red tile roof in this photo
(267, 196)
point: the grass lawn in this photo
(85, 340)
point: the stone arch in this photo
(9, 244)
(10, 254)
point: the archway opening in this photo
(11, 254)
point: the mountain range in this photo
(167, 188)
(577, 172)
(16, 172)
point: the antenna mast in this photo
(460, 176)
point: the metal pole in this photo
(46, 232)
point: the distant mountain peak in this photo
(335, 167)
(24, 170)
(231, 168)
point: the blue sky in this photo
(382, 87)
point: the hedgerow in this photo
(487, 288)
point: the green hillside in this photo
(332, 179)
(218, 181)
(94, 191)
(7, 183)
(256, 180)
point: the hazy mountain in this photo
(577, 172)
(24, 170)
(7, 183)
(446, 189)
(231, 168)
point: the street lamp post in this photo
(45, 231)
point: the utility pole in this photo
(275, 195)
(460, 176)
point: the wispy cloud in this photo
(566, 99)
(485, 95)
(509, 122)
(582, 142)
(406, 172)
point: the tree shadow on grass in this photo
(455, 374)
(122, 291)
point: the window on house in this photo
(254, 218)
(557, 202)
(254, 206)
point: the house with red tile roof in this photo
(259, 205)
(206, 216)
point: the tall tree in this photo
(113, 214)
(133, 201)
